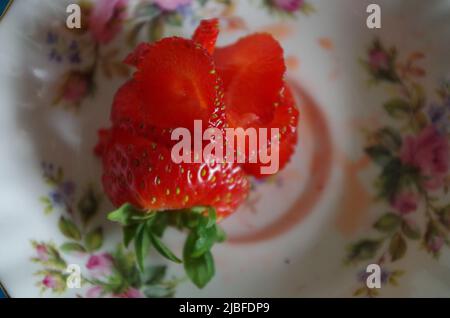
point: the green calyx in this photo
(146, 229)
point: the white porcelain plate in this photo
(368, 183)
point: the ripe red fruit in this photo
(142, 173)
(252, 71)
(206, 34)
(175, 83)
(285, 118)
(256, 95)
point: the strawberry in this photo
(127, 111)
(206, 34)
(285, 118)
(175, 83)
(252, 71)
(255, 92)
(142, 173)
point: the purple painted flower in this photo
(52, 37)
(435, 243)
(429, 151)
(440, 116)
(94, 292)
(405, 202)
(75, 58)
(289, 5)
(55, 56)
(42, 252)
(106, 19)
(63, 195)
(100, 264)
(56, 198)
(49, 282)
(436, 113)
(131, 293)
(171, 5)
(68, 188)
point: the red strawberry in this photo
(252, 71)
(285, 118)
(175, 83)
(142, 173)
(127, 114)
(206, 34)
(255, 93)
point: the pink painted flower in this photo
(49, 282)
(429, 151)
(435, 244)
(42, 252)
(171, 5)
(75, 87)
(131, 293)
(100, 264)
(289, 5)
(378, 60)
(106, 19)
(405, 202)
(94, 292)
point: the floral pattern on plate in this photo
(88, 55)
(110, 274)
(412, 153)
(91, 49)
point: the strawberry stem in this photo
(147, 229)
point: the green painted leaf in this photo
(379, 154)
(94, 239)
(156, 29)
(134, 33)
(444, 216)
(418, 96)
(141, 245)
(388, 223)
(162, 248)
(70, 247)
(174, 19)
(398, 108)
(389, 180)
(389, 138)
(411, 231)
(397, 247)
(88, 205)
(363, 250)
(69, 229)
